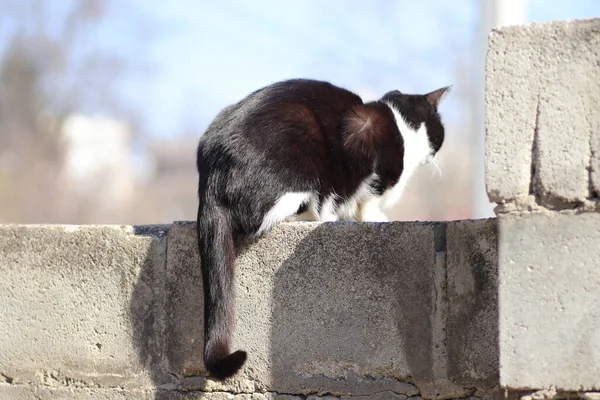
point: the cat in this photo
(299, 149)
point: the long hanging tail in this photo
(217, 253)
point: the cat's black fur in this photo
(292, 136)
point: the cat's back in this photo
(309, 92)
(286, 100)
(302, 113)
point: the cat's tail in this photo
(217, 253)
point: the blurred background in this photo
(102, 102)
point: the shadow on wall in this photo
(344, 308)
(147, 311)
(472, 298)
(408, 307)
(352, 310)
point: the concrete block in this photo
(549, 301)
(350, 284)
(66, 304)
(472, 322)
(542, 91)
(343, 308)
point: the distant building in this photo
(98, 161)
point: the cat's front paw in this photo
(369, 211)
(375, 217)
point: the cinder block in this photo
(542, 96)
(549, 301)
(472, 322)
(66, 303)
(342, 308)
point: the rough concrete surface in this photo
(67, 393)
(549, 297)
(472, 326)
(344, 309)
(29, 392)
(65, 298)
(45, 393)
(320, 307)
(542, 96)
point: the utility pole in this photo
(493, 13)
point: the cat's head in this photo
(420, 110)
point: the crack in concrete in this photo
(533, 183)
(593, 194)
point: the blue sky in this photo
(205, 55)
(191, 58)
(214, 53)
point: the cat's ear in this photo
(437, 96)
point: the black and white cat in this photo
(299, 150)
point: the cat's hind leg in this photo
(327, 210)
(312, 211)
(304, 216)
(304, 213)
(285, 206)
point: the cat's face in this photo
(421, 109)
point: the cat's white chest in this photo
(417, 151)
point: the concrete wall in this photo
(383, 311)
(543, 168)
(349, 310)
